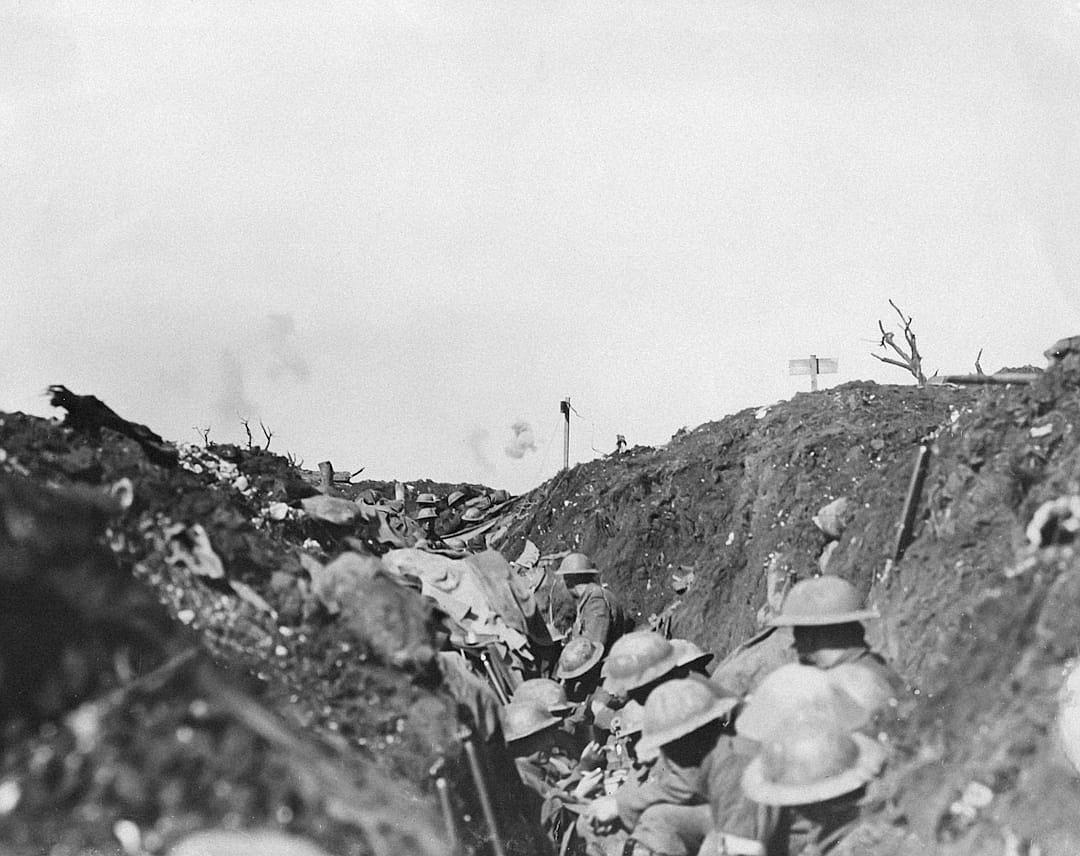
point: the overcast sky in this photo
(394, 231)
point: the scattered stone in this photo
(190, 547)
(130, 837)
(1055, 522)
(833, 518)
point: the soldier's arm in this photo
(662, 786)
(595, 618)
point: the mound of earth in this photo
(706, 533)
(165, 666)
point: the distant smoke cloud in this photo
(478, 443)
(232, 397)
(285, 358)
(269, 352)
(523, 441)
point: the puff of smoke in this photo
(523, 441)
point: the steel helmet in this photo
(822, 600)
(454, 498)
(628, 720)
(637, 659)
(867, 686)
(675, 708)
(794, 690)
(545, 692)
(812, 762)
(522, 718)
(576, 563)
(427, 514)
(690, 654)
(426, 499)
(472, 515)
(579, 655)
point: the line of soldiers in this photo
(632, 749)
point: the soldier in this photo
(637, 664)
(551, 695)
(795, 690)
(810, 779)
(826, 615)
(692, 660)
(535, 742)
(579, 672)
(693, 788)
(599, 615)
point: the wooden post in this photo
(564, 407)
(813, 372)
(326, 476)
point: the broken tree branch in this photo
(910, 359)
(267, 433)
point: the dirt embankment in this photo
(980, 623)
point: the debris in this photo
(247, 593)
(89, 413)
(190, 547)
(331, 509)
(998, 378)
(1042, 430)
(682, 583)
(530, 555)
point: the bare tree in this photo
(204, 433)
(247, 430)
(978, 366)
(910, 359)
(267, 433)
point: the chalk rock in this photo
(1055, 522)
(833, 518)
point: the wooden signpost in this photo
(814, 367)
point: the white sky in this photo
(391, 230)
